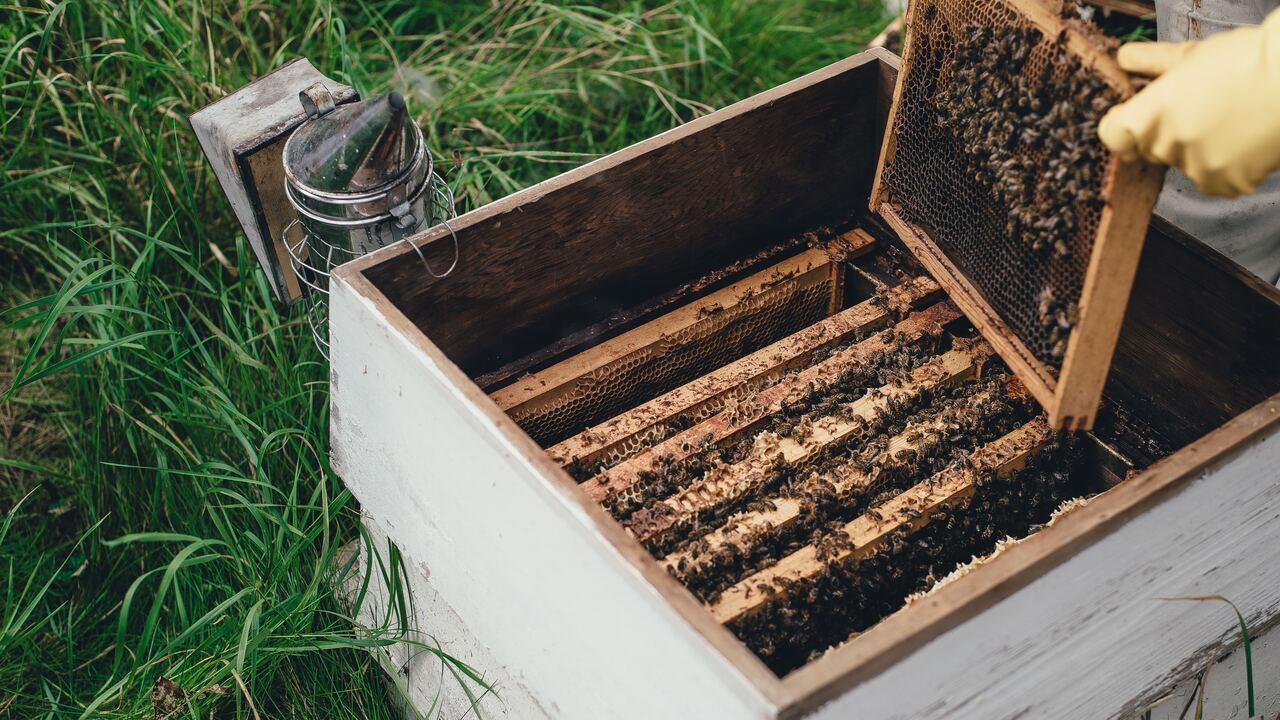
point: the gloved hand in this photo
(1213, 110)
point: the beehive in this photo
(589, 615)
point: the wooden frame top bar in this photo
(759, 368)
(909, 510)
(726, 485)
(731, 423)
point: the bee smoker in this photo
(357, 176)
(360, 178)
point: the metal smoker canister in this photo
(360, 178)
(358, 175)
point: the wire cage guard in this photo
(312, 257)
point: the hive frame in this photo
(730, 424)
(655, 520)
(1071, 399)
(537, 399)
(756, 387)
(785, 511)
(909, 510)
(736, 481)
(627, 434)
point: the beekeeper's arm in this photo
(1213, 110)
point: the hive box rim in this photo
(903, 633)
(351, 275)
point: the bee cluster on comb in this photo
(803, 506)
(996, 156)
(993, 176)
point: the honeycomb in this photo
(715, 340)
(655, 434)
(996, 158)
(733, 509)
(809, 502)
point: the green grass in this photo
(166, 503)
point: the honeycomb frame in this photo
(1106, 249)
(765, 485)
(618, 374)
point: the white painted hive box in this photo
(677, 232)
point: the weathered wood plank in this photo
(726, 485)
(1199, 345)
(910, 511)
(889, 141)
(242, 135)
(404, 408)
(806, 268)
(731, 422)
(616, 438)
(629, 317)
(1105, 295)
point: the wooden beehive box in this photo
(592, 298)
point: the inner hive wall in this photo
(659, 356)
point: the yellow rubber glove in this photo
(1213, 110)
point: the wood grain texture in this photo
(617, 437)
(725, 486)
(804, 270)
(628, 317)
(1105, 295)
(888, 145)
(275, 213)
(909, 511)
(1199, 344)
(746, 528)
(638, 222)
